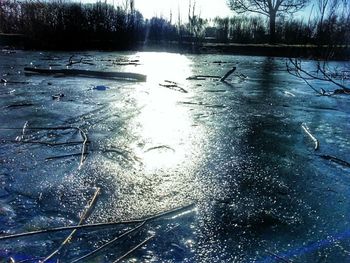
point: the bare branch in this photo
(294, 67)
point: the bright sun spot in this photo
(163, 124)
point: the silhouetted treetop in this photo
(269, 8)
(265, 7)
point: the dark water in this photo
(235, 150)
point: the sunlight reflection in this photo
(163, 141)
(164, 126)
(160, 66)
(195, 210)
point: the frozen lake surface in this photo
(235, 150)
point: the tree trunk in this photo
(272, 27)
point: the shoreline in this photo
(339, 52)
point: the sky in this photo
(150, 8)
(204, 8)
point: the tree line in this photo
(66, 25)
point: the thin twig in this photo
(87, 226)
(70, 60)
(331, 80)
(335, 159)
(109, 242)
(133, 249)
(173, 85)
(63, 156)
(20, 138)
(126, 63)
(203, 77)
(44, 143)
(18, 105)
(83, 148)
(142, 223)
(319, 92)
(307, 131)
(82, 133)
(159, 147)
(175, 210)
(35, 259)
(297, 70)
(67, 228)
(82, 219)
(278, 257)
(41, 128)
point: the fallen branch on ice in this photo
(307, 131)
(5, 82)
(43, 143)
(20, 138)
(109, 243)
(84, 143)
(71, 62)
(335, 160)
(203, 77)
(89, 73)
(159, 147)
(83, 147)
(228, 74)
(222, 79)
(133, 249)
(63, 156)
(142, 223)
(278, 257)
(19, 105)
(82, 219)
(87, 226)
(172, 85)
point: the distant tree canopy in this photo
(269, 8)
(59, 24)
(71, 25)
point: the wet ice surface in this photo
(236, 150)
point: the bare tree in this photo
(270, 8)
(196, 24)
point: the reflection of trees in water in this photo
(265, 122)
(257, 197)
